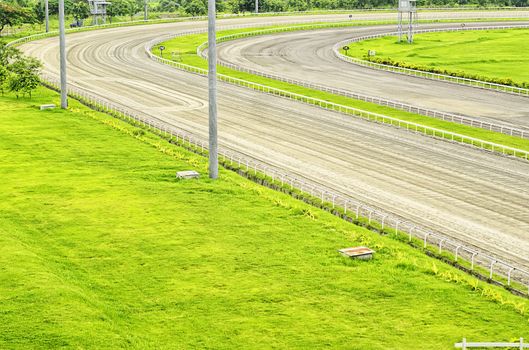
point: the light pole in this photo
(256, 6)
(47, 15)
(145, 10)
(62, 53)
(212, 82)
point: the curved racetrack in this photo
(477, 197)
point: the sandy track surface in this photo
(475, 196)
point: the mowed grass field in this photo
(499, 54)
(102, 248)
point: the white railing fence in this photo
(514, 345)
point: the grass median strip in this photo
(497, 56)
(102, 247)
(183, 50)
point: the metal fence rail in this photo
(454, 118)
(518, 345)
(433, 76)
(502, 272)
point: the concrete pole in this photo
(212, 80)
(145, 10)
(62, 52)
(256, 6)
(47, 15)
(410, 30)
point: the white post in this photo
(62, 52)
(212, 79)
(145, 10)
(256, 6)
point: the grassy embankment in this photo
(185, 52)
(101, 247)
(489, 55)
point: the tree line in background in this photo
(18, 74)
(17, 12)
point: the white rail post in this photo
(472, 261)
(457, 251)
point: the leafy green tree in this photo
(53, 6)
(238, 6)
(116, 8)
(4, 77)
(13, 15)
(8, 54)
(38, 12)
(131, 8)
(24, 77)
(196, 8)
(273, 6)
(168, 6)
(297, 5)
(79, 10)
(220, 6)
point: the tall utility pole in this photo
(62, 52)
(256, 6)
(145, 10)
(212, 80)
(47, 15)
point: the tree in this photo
(297, 5)
(4, 77)
(237, 6)
(273, 6)
(131, 7)
(79, 10)
(196, 8)
(8, 54)
(13, 15)
(168, 6)
(116, 8)
(53, 6)
(24, 77)
(38, 12)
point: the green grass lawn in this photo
(101, 247)
(183, 49)
(501, 54)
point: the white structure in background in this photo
(407, 16)
(98, 10)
